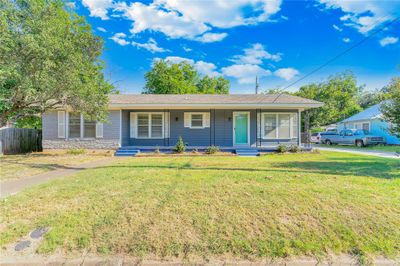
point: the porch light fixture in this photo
(176, 119)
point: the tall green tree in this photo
(391, 108)
(182, 78)
(48, 57)
(339, 95)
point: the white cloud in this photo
(186, 49)
(195, 20)
(364, 15)
(284, 17)
(150, 46)
(71, 5)
(150, 17)
(120, 38)
(212, 37)
(225, 13)
(286, 73)
(388, 40)
(98, 8)
(245, 73)
(337, 27)
(101, 29)
(255, 55)
(346, 40)
(205, 68)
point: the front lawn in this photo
(21, 166)
(204, 207)
(391, 148)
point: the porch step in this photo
(126, 152)
(247, 152)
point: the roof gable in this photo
(369, 113)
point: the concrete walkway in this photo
(11, 187)
(383, 154)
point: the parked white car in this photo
(315, 137)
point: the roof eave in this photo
(215, 106)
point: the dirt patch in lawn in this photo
(26, 165)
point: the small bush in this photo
(316, 151)
(157, 150)
(295, 149)
(212, 149)
(180, 146)
(195, 150)
(281, 148)
(76, 151)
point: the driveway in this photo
(384, 154)
(11, 187)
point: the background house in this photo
(370, 119)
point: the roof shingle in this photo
(208, 99)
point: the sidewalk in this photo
(383, 154)
(11, 187)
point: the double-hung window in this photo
(277, 126)
(79, 126)
(74, 125)
(150, 125)
(196, 120)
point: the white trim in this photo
(277, 125)
(149, 114)
(299, 127)
(61, 124)
(234, 128)
(214, 106)
(120, 128)
(99, 130)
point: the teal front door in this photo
(241, 128)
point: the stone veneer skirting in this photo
(81, 144)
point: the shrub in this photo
(294, 149)
(76, 151)
(157, 150)
(180, 146)
(195, 150)
(281, 148)
(212, 149)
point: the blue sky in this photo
(279, 41)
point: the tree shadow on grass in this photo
(334, 166)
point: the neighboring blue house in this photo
(370, 119)
(147, 121)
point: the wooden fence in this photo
(20, 140)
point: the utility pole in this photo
(257, 85)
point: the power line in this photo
(344, 52)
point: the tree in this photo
(48, 57)
(368, 98)
(182, 78)
(391, 108)
(339, 95)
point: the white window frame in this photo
(82, 128)
(149, 114)
(264, 136)
(202, 120)
(361, 124)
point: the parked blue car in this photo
(358, 137)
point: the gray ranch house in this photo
(148, 121)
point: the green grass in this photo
(392, 148)
(272, 206)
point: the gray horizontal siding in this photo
(111, 128)
(220, 132)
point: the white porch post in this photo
(120, 128)
(299, 129)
